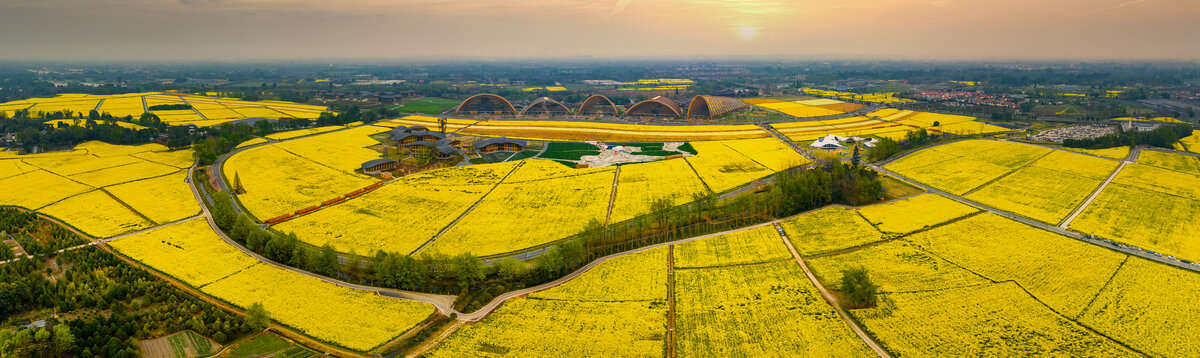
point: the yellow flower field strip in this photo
(124, 173)
(354, 319)
(1041, 194)
(251, 141)
(1082, 165)
(38, 188)
(179, 158)
(770, 152)
(640, 184)
(577, 134)
(1161, 180)
(1178, 162)
(914, 213)
(76, 164)
(637, 277)
(13, 167)
(1114, 152)
(1149, 306)
(757, 310)
(896, 266)
(961, 166)
(302, 132)
(542, 169)
(1062, 272)
(722, 168)
(71, 122)
(356, 224)
(163, 199)
(96, 214)
(189, 251)
(278, 182)
(1192, 142)
(1149, 219)
(78, 107)
(829, 229)
(433, 126)
(518, 216)
(744, 247)
(525, 327)
(988, 320)
(344, 150)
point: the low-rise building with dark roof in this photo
(415, 134)
(441, 149)
(502, 144)
(376, 166)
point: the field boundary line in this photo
(755, 263)
(749, 157)
(612, 198)
(694, 171)
(1011, 172)
(130, 208)
(831, 301)
(468, 211)
(860, 247)
(1101, 290)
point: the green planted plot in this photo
(427, 105)
(569, 150)
(260, 345)
(189, 344)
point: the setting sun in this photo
(747, 32)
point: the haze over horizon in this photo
(202, 30)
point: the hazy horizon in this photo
(366, 30)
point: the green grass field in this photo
(427, 105)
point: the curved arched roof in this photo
(706, 106)
(657, 106)
(598, 104)
(546, 105)
(486, 103)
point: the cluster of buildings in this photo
(421, 140)
(1083, 131)
(366, 96)
(969, 97)
(659, 107)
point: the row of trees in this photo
(111, 305)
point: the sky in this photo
(233, 30)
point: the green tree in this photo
(469, 270)
(257, 317)
(510, 269)
(857, 287)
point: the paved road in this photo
(1066, 224)
(862, 334)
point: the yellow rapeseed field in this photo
(82, 122)
(637, 277)
(252, 141)
(38, 188)
(723, 168)
(278, 182)
(344, 150)
(617, 309)
(1191, 143)
(770, 152)
(354, 319)
(897, 266)
(302, 132)
(829, 229)
(124, 173)
(914, 213)
(993, 320)
(189, 251)
(515, 216)
(1178, 162)
(216, 110)
(1049, 189)
(97, 214)
(1150, 219)
(1149, 306)
(1114, 152)
(744, 247)
(639, 184)
(757, 310)
(612, 132)
(555, 328)
(961, 166)
(162, 199)
(1060, 271)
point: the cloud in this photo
(617, 8)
